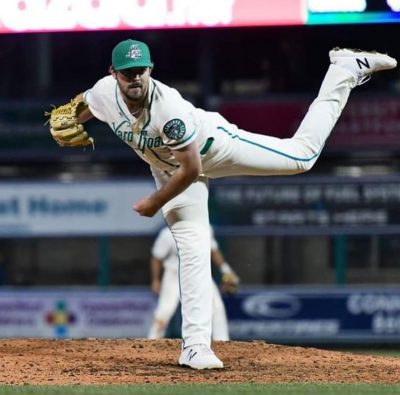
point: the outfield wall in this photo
(288, 315)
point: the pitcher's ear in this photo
(111, 70)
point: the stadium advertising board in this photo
(29, 209)
(316, 315)
(307, 315)
(75, 314)
(81, 15)
(353, 11)
(298, 205)
(306, 205)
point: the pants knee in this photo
(304, 167)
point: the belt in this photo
(207, 146)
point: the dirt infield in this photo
(140, 361)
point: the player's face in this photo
(133, 82)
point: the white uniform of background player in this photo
(168, 123)
(164, 251)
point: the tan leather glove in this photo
(64, 126)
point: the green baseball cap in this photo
(131, 53)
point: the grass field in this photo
(202, 389)
(384, 353)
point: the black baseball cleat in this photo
(362, 63)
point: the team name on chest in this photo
(148, 142)
(142, 140)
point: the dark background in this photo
(294, 58)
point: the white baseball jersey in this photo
(167, 123)
(170, 122)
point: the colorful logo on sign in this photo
(61, 318)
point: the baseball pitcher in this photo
(185, 146)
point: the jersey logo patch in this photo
(174, 129)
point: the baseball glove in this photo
(64, 126)
(229, 283)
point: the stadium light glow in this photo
(394, 5)
(337, 5)
(80, 15)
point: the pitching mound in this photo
(33, 361)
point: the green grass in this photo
(376, 351)
(206, 389)
(381, 353)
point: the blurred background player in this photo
(164, 265)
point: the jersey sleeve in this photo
(177, 127)
(93, 97)
(163, 244)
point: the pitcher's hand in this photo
(147, 206)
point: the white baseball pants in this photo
(168, 301)
(236, 152)
(187, 218)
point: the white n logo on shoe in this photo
(364, 63)
(191, 354)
